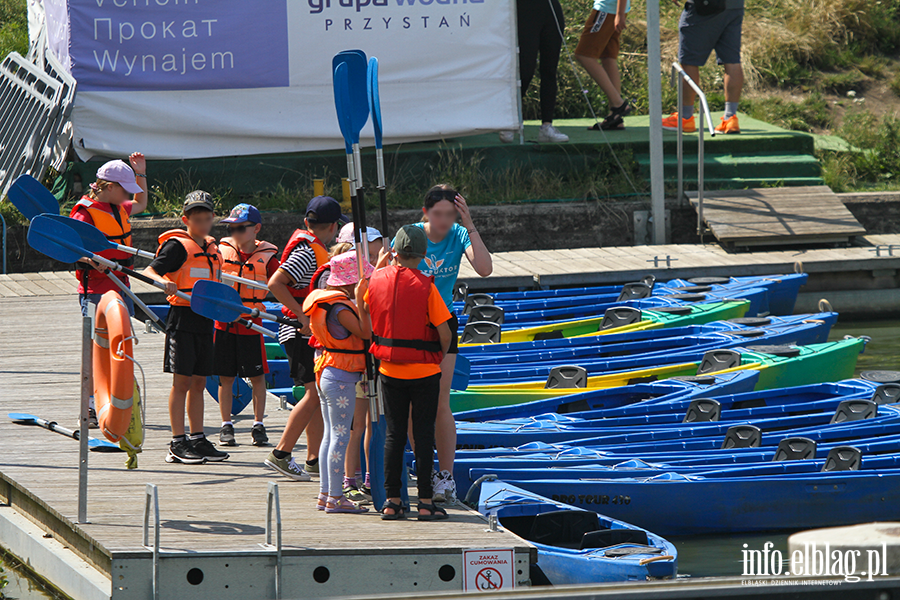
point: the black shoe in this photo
(183, 451)
(205, 448)
(258, 433)
(226, 435)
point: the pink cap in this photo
(118, 171)
(344, 270)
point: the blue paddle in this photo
(241, 393)
(221, 302)
(93, 443)
(461, 373)
(31, 198)
(57, 240)
(375, 109)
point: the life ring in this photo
(113, 367)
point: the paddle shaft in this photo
(382, 193)
(140, 303)
(149, 280)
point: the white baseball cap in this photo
(119, 172)
(346, 234)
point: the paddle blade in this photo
(22, 418)
(56, 240)
(31, 198)
(357, 74)
(374, 100)
(95, 445)
(91, 238)
(341, 101)
(217, 301)
(461, 373)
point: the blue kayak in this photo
(577, 546)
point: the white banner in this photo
(201, 78)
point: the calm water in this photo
(710, 556)
(21, 586)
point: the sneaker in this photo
(312, 468)
(205, 448)
(258, 433)
(226, 435)
(549, 133)
(729, 125)
(287, 467)
(183, 451)
(507, 137)
(356, 496)
(365, 491)
(445, 488)
(670, 123)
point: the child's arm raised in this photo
(477, 253)
(139, 164)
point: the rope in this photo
(584, 93)
(134, 450)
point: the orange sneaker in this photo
(670, 123)
(729, 125)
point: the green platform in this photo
(763, 154)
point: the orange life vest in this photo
(302, 236)
(347, 354)
(253, 268)
(398, 304)
(113, 373)
(116, 230)
(200, 264)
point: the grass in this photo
(13, 27)
(876, 165)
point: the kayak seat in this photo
(702, 410)
(752, 321)
(480, 332)
(604, 538)
(460, 291)
(649, 279)
(886, 393)
(473, 300)
(487, 312)
(634, 291)
(795, 448)
(567, 377)
(854, 410)
(843, 458)
(719, 360)
(617, 316)
(742, 436)
(562, 527)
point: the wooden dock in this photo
(777, 216)
(213, 516)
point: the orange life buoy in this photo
(113, 369)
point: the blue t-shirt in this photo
(610, 6)
(442, 260)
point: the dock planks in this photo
(777, 216)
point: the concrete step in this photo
(739, 166)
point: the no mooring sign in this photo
(489, 570)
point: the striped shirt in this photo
(300, 267)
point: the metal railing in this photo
(680, 76)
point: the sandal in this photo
(616, 118)
(342, 505)
(437, 513)
(399, 511)
(322, 501)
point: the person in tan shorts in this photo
(598, 52)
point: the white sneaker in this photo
(444, 487)
(507, 137)
(549, 133)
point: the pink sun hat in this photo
(344, 270)
(119, 172)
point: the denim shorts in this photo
(83, 299)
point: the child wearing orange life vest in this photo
(108, 207)
(339, 332)
(240, 351)
(183, 258)
(409, 321)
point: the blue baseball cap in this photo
(326, 208)
(243, 213)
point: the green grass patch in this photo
(13, 27)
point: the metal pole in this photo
(2, 218)
(680, 138)
(86, 391)
(700, 176)
(654, 77)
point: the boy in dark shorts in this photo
(241, 351)
(306, 251)
(600, 42)
(182, 259)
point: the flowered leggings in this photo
(338, 399)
